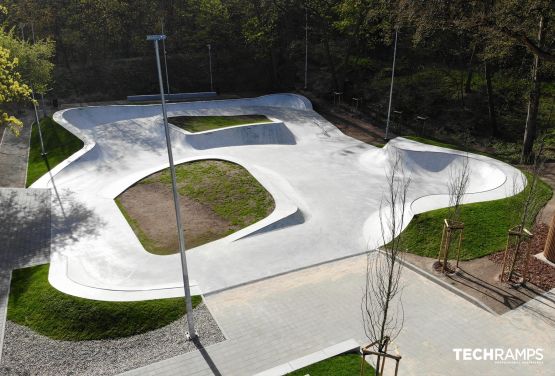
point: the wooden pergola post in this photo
(549, 248)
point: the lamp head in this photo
(155, 37)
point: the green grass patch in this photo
(227, 188)
(485, 226)
(341, 365)
(207, 123)
(59, 144)
(34, 303)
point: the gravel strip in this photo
(28, 353)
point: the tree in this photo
(382, 309)
(34, 60)
(529, 202)
(12, 90)
(457, 185)
(501, 25)
(533, 99)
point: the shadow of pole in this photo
(206, 356)
(45, 157)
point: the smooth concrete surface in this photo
(327, 188)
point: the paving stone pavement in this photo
(14, 153)
(280, 319)
(24, 236)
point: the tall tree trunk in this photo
(351, 41)
(533, 103)
(469, 72)
(491, 104)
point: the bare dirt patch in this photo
(479, 278)
(151, 205)
(540, 273)
(217, 198)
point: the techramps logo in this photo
(499, 355)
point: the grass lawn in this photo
(485, 226)
(227, 188)
(59, 144)
(224, 189)
(33, 302)
(206, 123)
(341, 365)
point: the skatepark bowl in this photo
(327, 189)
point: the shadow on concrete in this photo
(206, 357)
(25, 218)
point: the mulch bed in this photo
(541, 273)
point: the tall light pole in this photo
(391, 87)
(305, 47)
(41, 94)
(165, 58)
(188, 304)
(42, 151)
(210, 66)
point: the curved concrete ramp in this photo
(327, 188)
(275, 133)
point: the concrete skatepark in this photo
(327, 188)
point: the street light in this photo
(210, 65)
(41, 94)
(165, 58)
(188, 304)
(391, 87)
(43, 105)
(43, 152)
(305, 47)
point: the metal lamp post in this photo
(165, 58)
(305, 47)
(210, 66)
(166, 65)
(42, 151)
(188, 304)
(391, 87)
(41, 94)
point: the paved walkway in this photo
(24, 236)
(14, 152)
(274, 321)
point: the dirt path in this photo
(353, 125)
